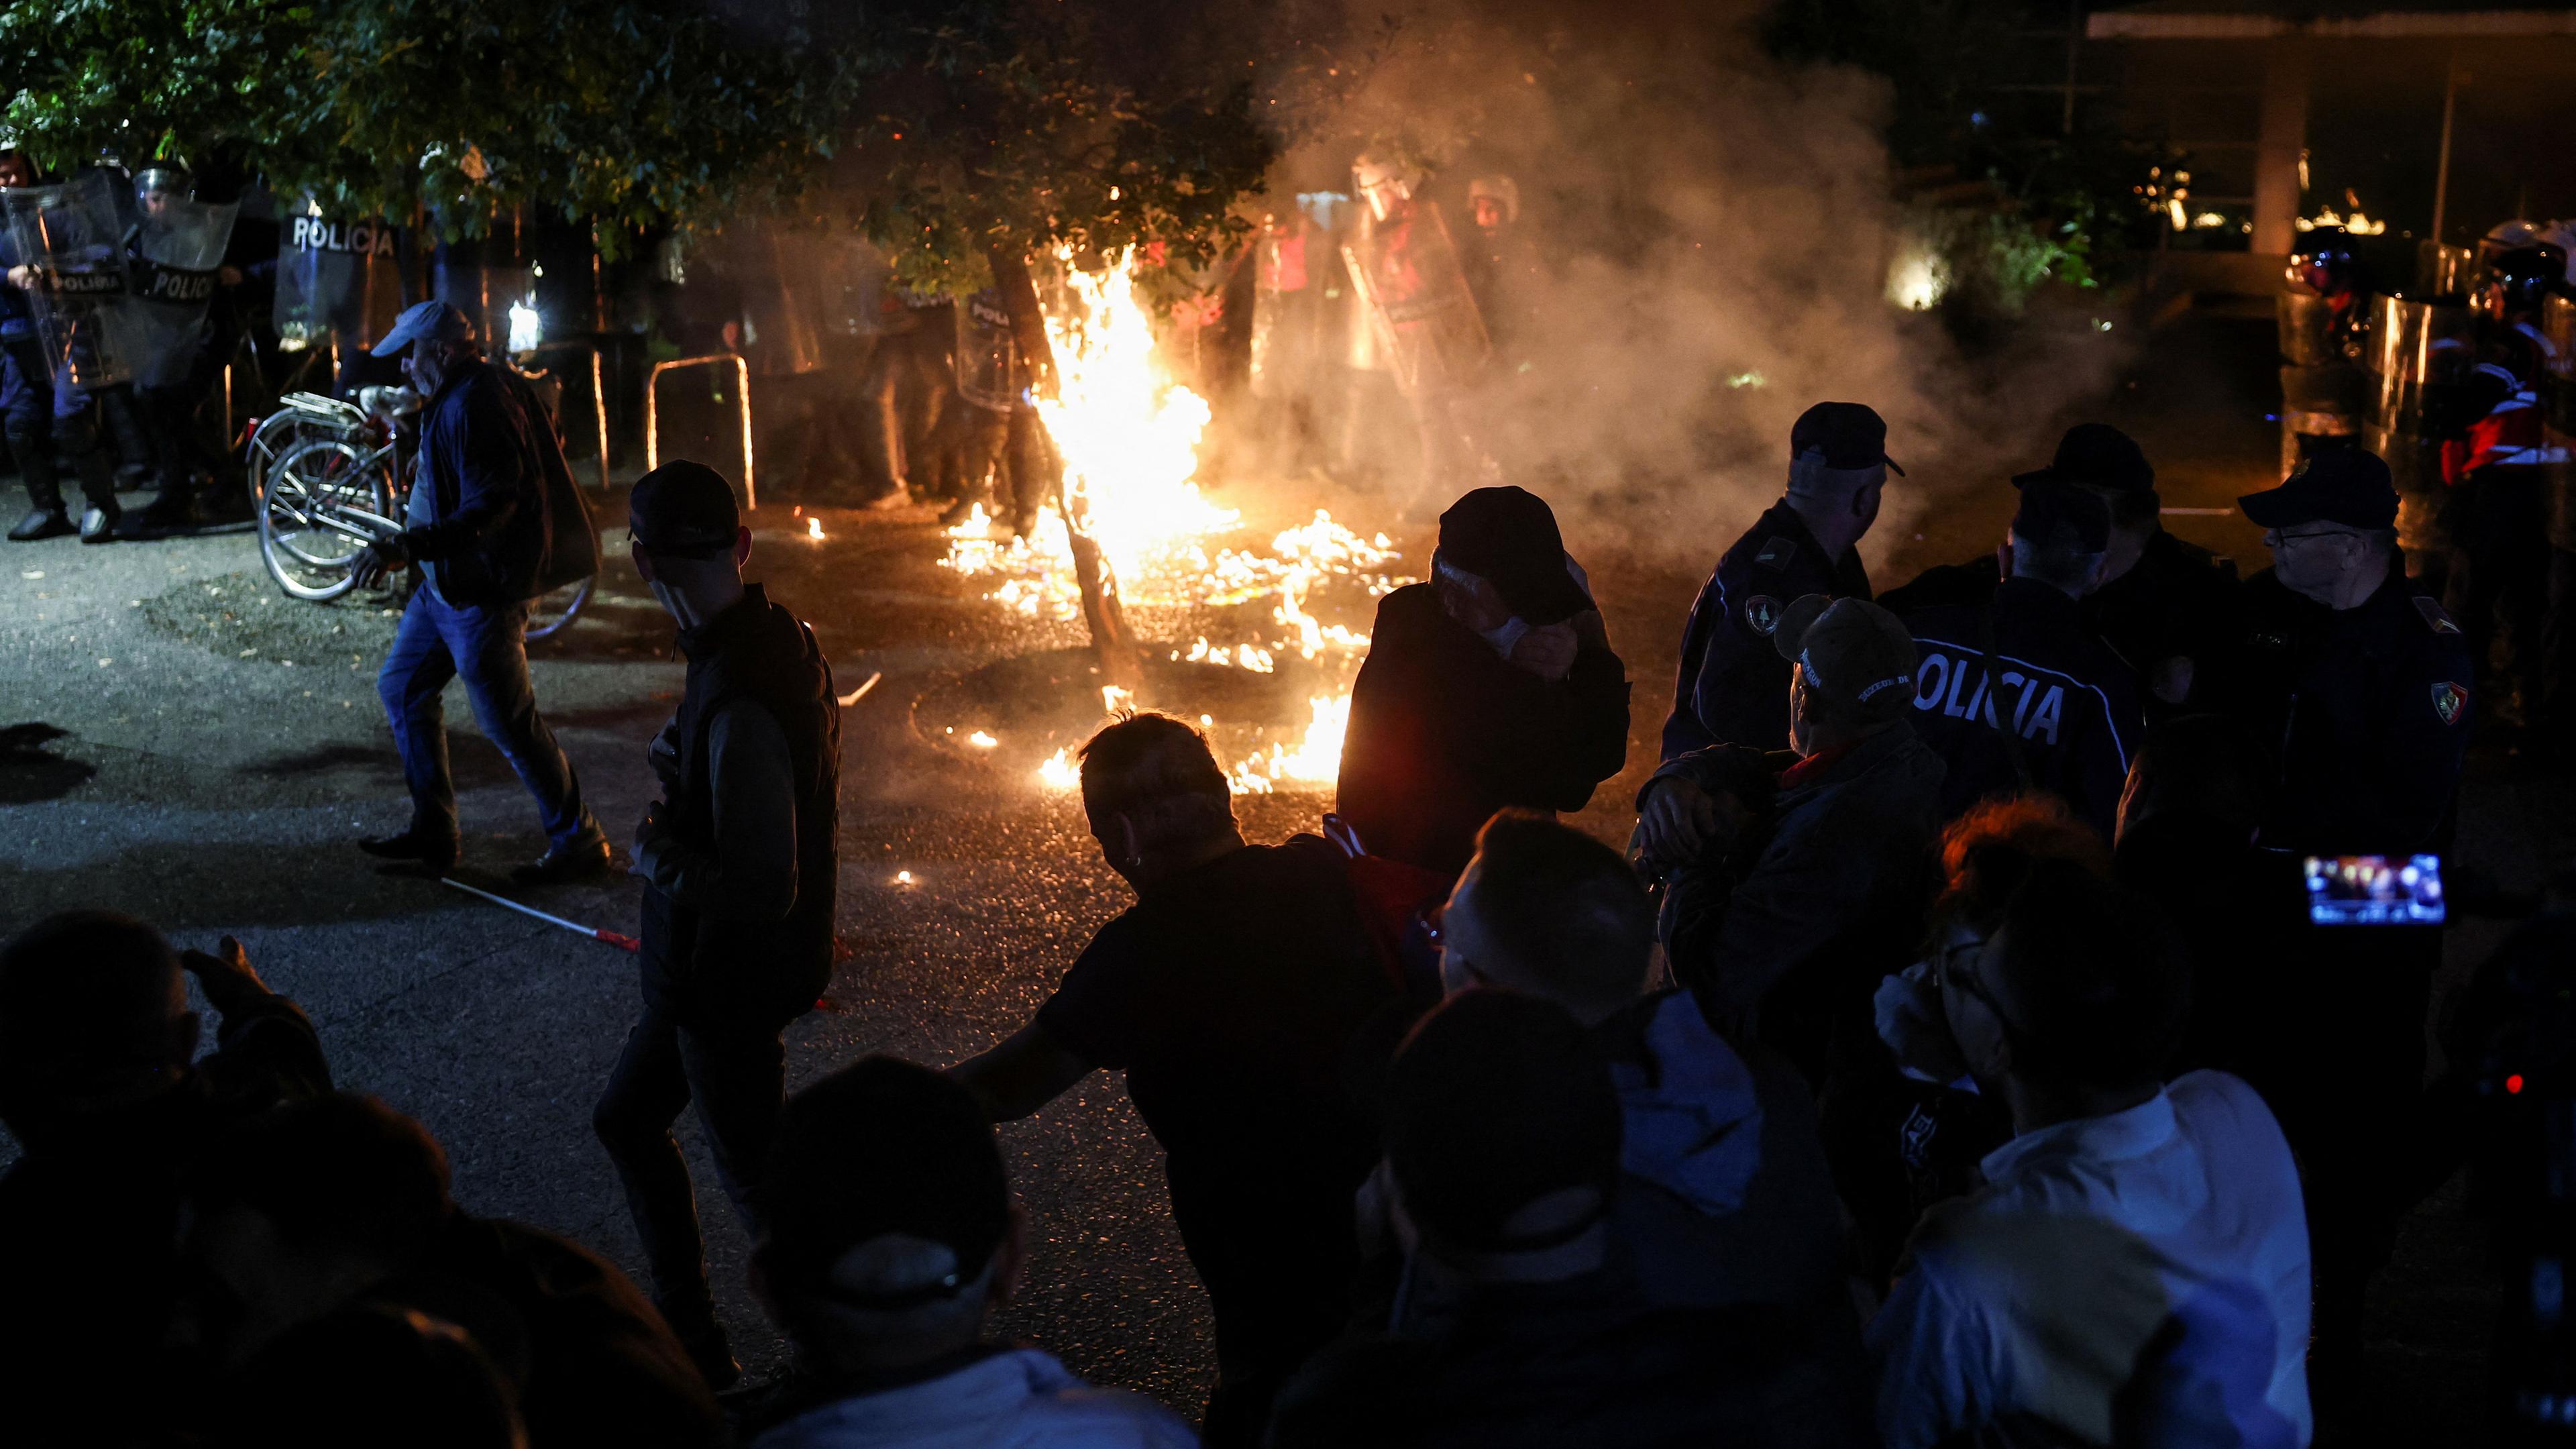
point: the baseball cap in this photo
(1508, 537)
(1851, 435)
(2097, 454)
(1852, 649)
(683, 509)
(878, 1149)
(2052, 507)
(436, 321)
(2350, 486)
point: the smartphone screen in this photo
(2375, 890)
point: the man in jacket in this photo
(740, 869)
(1733, 687)
(1492, 686)
(481, 520)
(1789, 929)
(2016, 693)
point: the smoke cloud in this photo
(1717, 229)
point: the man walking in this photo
(481, 520)
(740, 865)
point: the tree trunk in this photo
(1121, 662)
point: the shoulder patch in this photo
(1762, 614)
(2450, 701)
(2435, 615)
(1776, 552)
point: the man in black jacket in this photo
(1492, 686)
(740, 868)
(482, 518)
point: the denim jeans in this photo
(436, 642)
(736, 1074)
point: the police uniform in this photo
(1734, 687)
(2069, 702)
(2371, 706)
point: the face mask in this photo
(1507, 634)
(676, 603)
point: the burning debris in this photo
(1129, 438)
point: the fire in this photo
(1129, 438)
(814, 529)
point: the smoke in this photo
(1718, 230)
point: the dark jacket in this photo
(89, 1227)
(1444, 732)
(2368, 712)
(1733, 687)
(2178, 600)
(1585, 1363)
(500, 520)
(2070, 701)
(702, 954)
(1803, 920)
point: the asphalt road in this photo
(224, 747)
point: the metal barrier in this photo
(742, 393)
(598, 397)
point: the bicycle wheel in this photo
(553, 613)
(319, 505)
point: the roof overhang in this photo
(2157, 23)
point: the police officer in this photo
(2016, 694)
(740, 866)
(2167, 608)
(2359, 674)
(27, 394)
(2498, 469)
(1733, 687)
(169, 404)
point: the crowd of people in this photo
(1944, 1058)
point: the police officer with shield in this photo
(176, 258)
(1733, 687)
(27, 385)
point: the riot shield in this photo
(338, 279)
(2420, 356)
(2314, 334)
(73, 235)
(1287, 309)
(2558, 404)
(989, 371)
(1407, 271)
(178, 247)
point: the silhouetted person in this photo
(1491, 686)
(741, 864)
(1520, 1321)
(1229, 994)
(324, 1207)
(385, 1377)
(890, 1238)
(101, 1085)
(2135, 1267)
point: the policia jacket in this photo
(1734, 687)
(2365, 712)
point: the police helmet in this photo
(2325, 262)
(162, 178)
(2521, 279)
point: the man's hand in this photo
(229, 276)
(22, 276)
(1681, 821)
(225, 977)
(664, 756)
(648, 830)
(1547, 652)
(378, 561)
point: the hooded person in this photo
(1492, 686)
(740, 866)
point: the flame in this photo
(1129, 437)
(1060, 772)
(981, 740)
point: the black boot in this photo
(435, 852)
(98, 525)
(41, 523)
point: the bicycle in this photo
(326, 471)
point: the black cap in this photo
(2051, 509)
(2097, 454)
(683, 509)
(2349, 486)
(1507, 537)
(878, 1148)
(1851, 435)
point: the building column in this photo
(2277, 147)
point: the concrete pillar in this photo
(2283, 135)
